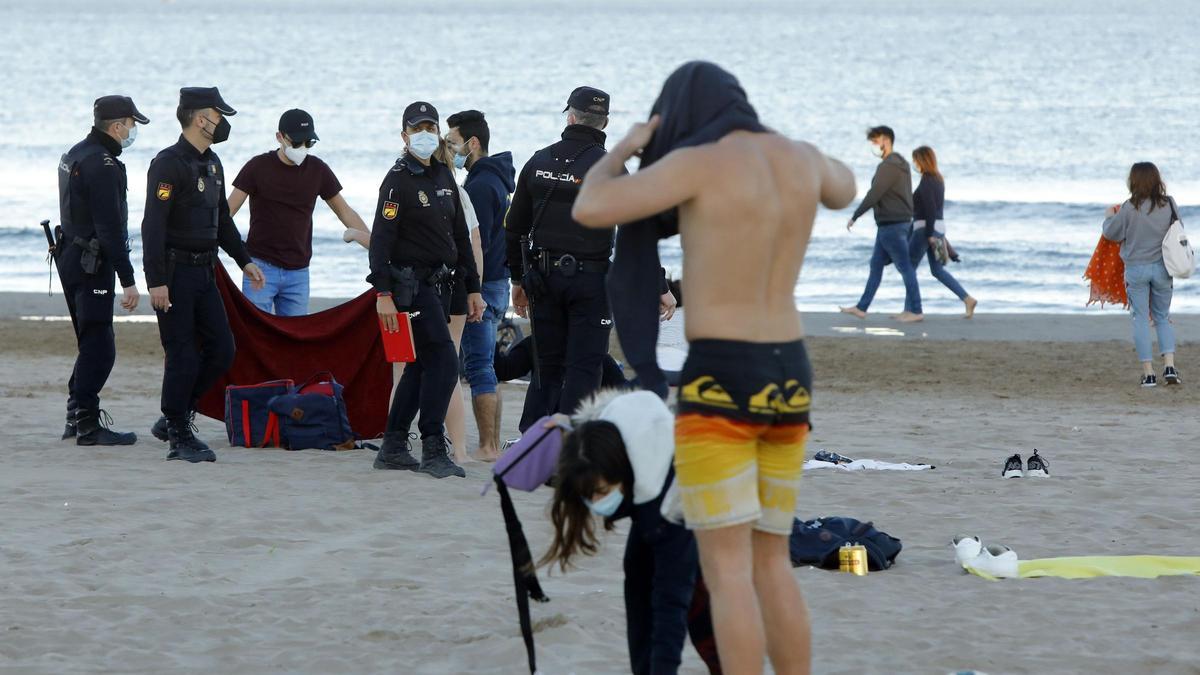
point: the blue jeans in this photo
(918, 247)
(286, 290)
(479, 339)
(1149, 288)
(891, 245)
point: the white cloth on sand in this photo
(866, 464)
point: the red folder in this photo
(398, 347)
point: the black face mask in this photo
(221, 133)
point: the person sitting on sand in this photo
(891, 199)
(929, 230)
(616, 463)
(1140, 224)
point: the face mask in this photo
(128, 140)
(221, 133)
(460, 161)
(295, 155)
(606, 505)
(876, 150)
(423, 144)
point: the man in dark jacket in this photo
(490, 182)
(94, 252)
(891, 198)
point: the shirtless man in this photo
(746, 200)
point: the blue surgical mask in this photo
(128, 140)
(423, 144)
(606, 505)
(460, 161)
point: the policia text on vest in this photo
(92, 253)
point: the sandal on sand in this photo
(966, 549)
(996, 561)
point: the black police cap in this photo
(419, 112)
(298, 126)
(589, 100)
(117, 108)
(197, 98)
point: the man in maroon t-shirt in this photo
(283, 186)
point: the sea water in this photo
(1036, 109)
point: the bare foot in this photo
(909, 317)
(487, 455)
(970, 303)
(853, 310)
(462, 458)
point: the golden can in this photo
(852, 558)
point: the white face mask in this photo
(295, 155)
(423, 144)
(876, 150)
(128, 140)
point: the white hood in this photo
(648, 429)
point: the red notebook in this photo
(398, 346)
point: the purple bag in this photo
(528, 464)
(531, 461)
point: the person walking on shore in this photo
(283, 186)
(94, 252)
(1140, 224)
(929, 230)
(743, 199)
(891, 199)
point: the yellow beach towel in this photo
(1086, 567)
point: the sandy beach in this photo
(113, 560)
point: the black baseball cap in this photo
(196, 98)
(589, 100)
(418, 112)
(117, 108)
(298, 126)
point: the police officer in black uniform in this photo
(557, 265)
(93, 253)
(186, 218)
(419, 244)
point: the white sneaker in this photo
(996, 561)
(966, 549)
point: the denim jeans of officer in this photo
(918, 247)
(90, 304)
(891, 245)
(284, 293)
(196, 313)
(571, 325)
(1149, 288)
(428, 382)
(479, 339)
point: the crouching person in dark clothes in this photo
(186, 218)
(616, 463)
(94, 251)
(419, 241)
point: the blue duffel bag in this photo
(816, 542)
(313, 416)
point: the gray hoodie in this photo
(891, 192)
(1140, 231)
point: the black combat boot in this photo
(435, 458)
(92, 428)
(70, 430)
(184, 444)
(159, 430)
(396, 452)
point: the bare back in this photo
(744, 238)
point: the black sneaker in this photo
(1013, 468)
(1149, 381)
(159, 430)
(184, 444)
(94, 428)
(1037, 467)
(1171, 376)
(435, 459)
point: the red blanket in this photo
(344, 340)
(1106, 272)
